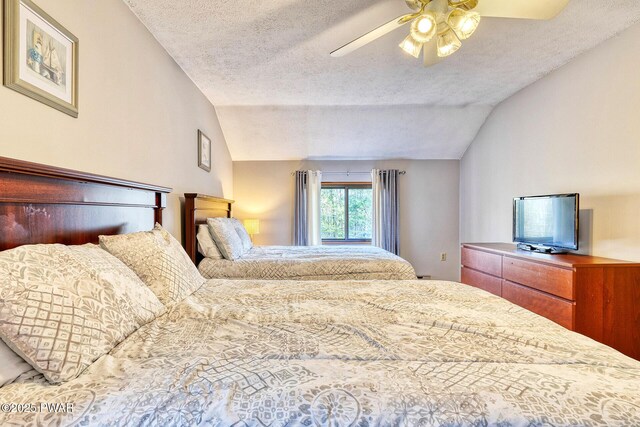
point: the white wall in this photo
(576, 130)
(429, 205)
(139, 112)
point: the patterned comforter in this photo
(311, 263)
(280, 353)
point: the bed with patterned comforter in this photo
(368, 353)
(311, 263)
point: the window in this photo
(346, 212)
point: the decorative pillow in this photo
(159, 260)
(12, 366)
(242, 233)
(62, 307)
(206, 246)
(226, 237)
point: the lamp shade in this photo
(252, 226)
(448, 43)
(424, 27)
(463, 22)
(411, 46)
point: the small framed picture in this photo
(40, 57)
(204, 151)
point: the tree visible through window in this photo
(346, 212)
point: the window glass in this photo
(346, 212)
(360, 211)
(333, 221)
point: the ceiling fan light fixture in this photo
(424, 27)
(439, 26)
(448, 43)
(463, 22)
(411, 46)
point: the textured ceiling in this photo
(266, 67)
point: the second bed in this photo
(288, 262)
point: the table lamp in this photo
(252, 226)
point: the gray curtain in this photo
(389, 210)
(300, 210)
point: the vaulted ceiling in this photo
(265, 65)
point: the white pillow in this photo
(226, 237)
(63, 307)
(206, 246)
(159, 260)
(11, 365)
(243, 234)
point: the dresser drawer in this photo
(553, 280)
(556, 309)
(482, 261)
(482, 281)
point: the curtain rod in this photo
(351, 173)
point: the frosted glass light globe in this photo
(411, 46)
(464, 23)
(448, 43)
(424, 27)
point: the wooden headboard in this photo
(197, 208)
(45, 204)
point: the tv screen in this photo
(547, 221)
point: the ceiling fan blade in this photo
(524, 9)
(430, 52)
(371, 36)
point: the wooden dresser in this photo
(597, 297)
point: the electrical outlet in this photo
(443, 256)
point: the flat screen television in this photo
(546, 223)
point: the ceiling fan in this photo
(439, 26)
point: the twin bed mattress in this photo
(348, 353)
